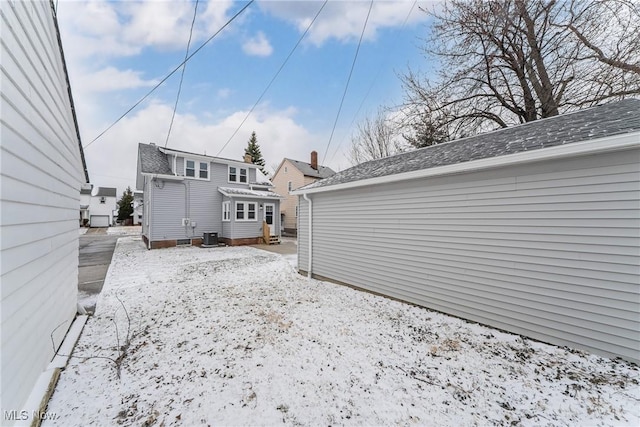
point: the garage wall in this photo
(41, 176)
(548, 250)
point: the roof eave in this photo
(593, 146)
(250, 196)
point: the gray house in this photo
(534, 229)
(187, 195)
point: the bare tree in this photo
(505, 62)
(374, 139)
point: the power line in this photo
(346, 87)
(274, 78)
(184, 67)
(373, 82)
(172, 72)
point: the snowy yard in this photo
(233, 336)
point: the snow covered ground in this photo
(82, 231)
(233, 336)
(128, 230)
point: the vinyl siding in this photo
(280, 182)
(548, 250)
(202, 204)
(41, 175)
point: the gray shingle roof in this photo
(307, 170)
(107, 192)
(597, 122)
(152, 160)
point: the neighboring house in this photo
(534, 229)
(188, 194)
(43, 170)
(138, 207)
(85, 202)
(293, 174)
(102, 206)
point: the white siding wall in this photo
(549, 250)
(41, 175)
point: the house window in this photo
(296, 211)
(190, 168)
(103, 200)
(246, 211)
(289, 186)
(237, 174)
(204, 170)
(285, 169)
(226, 211)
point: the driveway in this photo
(96, 250)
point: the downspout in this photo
(309, 268)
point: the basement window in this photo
(183, 242)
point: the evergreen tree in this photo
(125, 205)
(253, 149)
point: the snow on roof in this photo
(261, 194)
(593, 123)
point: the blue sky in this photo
(117, 51)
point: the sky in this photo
(116, 52)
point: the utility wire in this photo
(274, 78)
(184, 67)
(373, 82)
(346, 87)
(172, 72)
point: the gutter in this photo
(310, 264)
(593, 146)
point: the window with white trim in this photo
(238, 174)
(226, 211)
(204, 170)
(190, 169)
(246, 211)
(289, 186)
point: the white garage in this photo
(99, 220)
(534, 229)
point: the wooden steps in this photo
(267, 237)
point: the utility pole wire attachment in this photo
(172, 72)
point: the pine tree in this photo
(125, 205)
(253, 149)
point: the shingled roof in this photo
(107, 192)
(597, 122)
(152, 160)
(307, 170)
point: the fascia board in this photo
(594, 146)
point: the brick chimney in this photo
(314, 160)
(247, 158)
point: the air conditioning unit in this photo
(210, 239)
